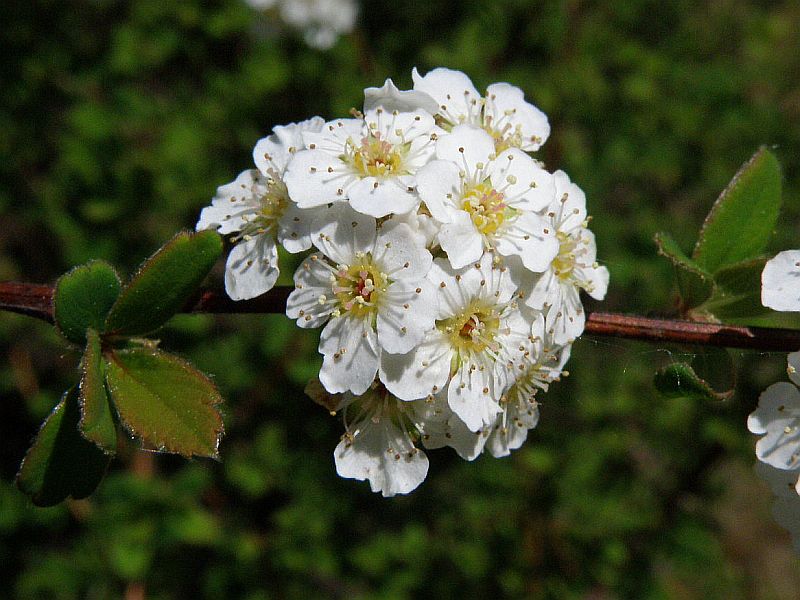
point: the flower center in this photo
(486, 207)
(359, 287)
(273, 204)
(473, 330)
(564, 262)
(376, 157)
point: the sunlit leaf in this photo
(97, 420)
(742, 219)
(83, 298)
(61, 462)
(164, 283)
(164, 401)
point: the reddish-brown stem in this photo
(37, 301)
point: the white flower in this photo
(390, 98)
(370, 163)
(777, 418)
(322, 21)
(556, 291)
(372, 289)
(502, 112)
(780, 282)
(478, 330)
(542, 363)
(487, 201)
(786, 509)
(257, 207)
(378, 444)
(441, 427)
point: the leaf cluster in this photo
(721, 281)
(126, 382)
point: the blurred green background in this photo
(119, 120)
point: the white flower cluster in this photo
(321, 21)
(446, 268)
(777, 417)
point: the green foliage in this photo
(97, 419)
(722, 280)
(83, 298)
(119, 120)
(164, 401)
(679, 380)
(742, 219)
(164, 283)
(61, 462)
(694, 283)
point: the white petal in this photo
(510, 433)
(565, 318)
(233, 204)
(439, 186)
(441, 427)
(525, 185)
(405, 315)
(467, 146)
(457, 98)
(383, 454)
(400, 254)
(251, 268)
(461, 241)
(334, 136)
(525, 237)
(341, 233)
(294, 227)
(401, 127)
(569, 203)
(780, 282)
(316, 178)
(311, 284)
(506, 105)
(470, 395)
(778, 417)
(381, 197)
(390, 99)
(350, 355)
(420, 372)
(597, 278)
(545, 290)
(274, 151)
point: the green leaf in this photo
(97, 419)
(83, 298)
(164, 283)
(165, 401)
(742, 219)
(737, 294)
(679, 380)
(694, 284)
(61, 463)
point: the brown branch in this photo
(37, 301)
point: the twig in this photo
(37, 301)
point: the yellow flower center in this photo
(376, 157)
(564, 263)
(486, 207)
(359, 287)
(273, 204)
(473, 330)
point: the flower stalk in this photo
(36, 300)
